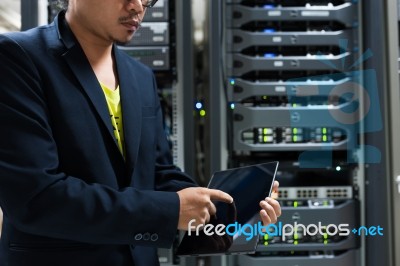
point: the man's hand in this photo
(196, 203)
(270, 208)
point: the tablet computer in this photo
(229, 232)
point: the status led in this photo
(199, 105)
(269, 30)
(269, 55)
(268, 6)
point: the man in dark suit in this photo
(85, 171)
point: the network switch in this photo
(296, 194)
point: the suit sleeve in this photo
(37, 198)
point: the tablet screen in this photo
(248, 186)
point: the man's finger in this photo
(265, 218)
(275, 204)
(219, 195)
(207, 218)
(269, 210)
(275, 186)
(212, 209)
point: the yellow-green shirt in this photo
(114, 107)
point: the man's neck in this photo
(96, 48)
(99, 52)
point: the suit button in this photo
(138, 237)
(146, 236)
(154, 237)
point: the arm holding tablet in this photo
(196, 203)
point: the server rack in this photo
(381, 38)
(284, 81)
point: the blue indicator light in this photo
(269, 30)
(268, 6)
(269, 55)
(199, 105)
(232, 82)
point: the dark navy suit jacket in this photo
(68, 195)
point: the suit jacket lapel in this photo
(80, 66)
(89, 84)
(131, 108)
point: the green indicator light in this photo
(325, 236)
(294, 130)
(265, 243)
(265, 131)
(265, 97)
(295, 204)
(265, 138)
(294, 105)
(296, 242)
(202, 113)
(324, 138)
(324, 130)
(266, 237)
(326, 242)
(325, 203)
(296, 236)
(294, 138)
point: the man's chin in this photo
(124, 40)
